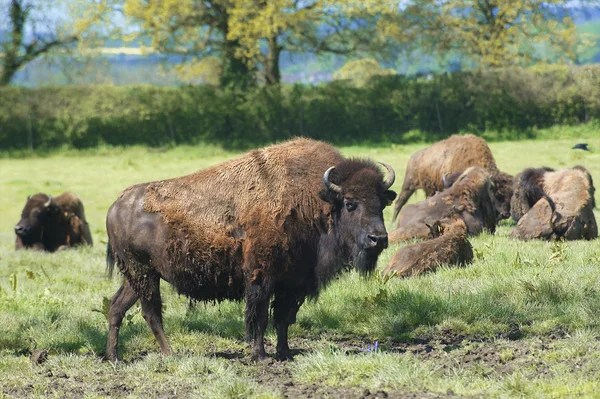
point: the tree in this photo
(361, 71)
(264, 29)
(491, 33)
(194, 30)
(249, 36)
(32, 34)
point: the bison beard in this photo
(269, 224)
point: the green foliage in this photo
(498, 104)
(361, 71)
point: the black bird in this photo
(581, 146)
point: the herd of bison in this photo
(275, 225)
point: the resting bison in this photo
(280, 221)
(527, 191)
(469, 199)
(449, 246)
(429, 168)
(565, 209)
(52, 224)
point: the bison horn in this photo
(391, 176)
(331, 186)
(492, 182)
(47, 203)
(444, 181)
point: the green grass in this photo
(522, 320)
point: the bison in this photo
(527, 191)
(429, 169)
(564, 207)
(470, 199)
(449, 245)
(52, 224)
(277, 222)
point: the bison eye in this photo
(350, 205)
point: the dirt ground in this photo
(446, 349)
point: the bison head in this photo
(501, 193)
(501, 190)
(35, 214)
(358, 193)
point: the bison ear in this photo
(390, 196)
(330, 196)
(28, 197)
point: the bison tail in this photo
(110, 260)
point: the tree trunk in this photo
(272, 71)
(8, 72)
(236, 73)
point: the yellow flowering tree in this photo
(492, 33)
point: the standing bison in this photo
(277, 222)
(469, 198)
(429, 169)
(51, 224)
(555, 204)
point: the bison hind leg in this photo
(152, 312)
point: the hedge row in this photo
(387, 109)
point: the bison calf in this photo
(450, 247)
(430, 169)
(52, 224)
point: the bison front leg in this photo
(124, 299)
(258, 296)
(285, 308)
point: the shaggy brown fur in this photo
(527, 191)
(52, 225)
(469, 199)
(565, 210)
(426, 170)
(263, 225)
(450, 248)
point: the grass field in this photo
(522, 320)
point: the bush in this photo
(513, 102)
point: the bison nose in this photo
(19, 229)
(377, 241)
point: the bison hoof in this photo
(284, 355)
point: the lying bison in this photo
(449, 246)
(470, 199)
(565, 208)
(429, 169)
(277, 222)
(51, 224)
(527, 191)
